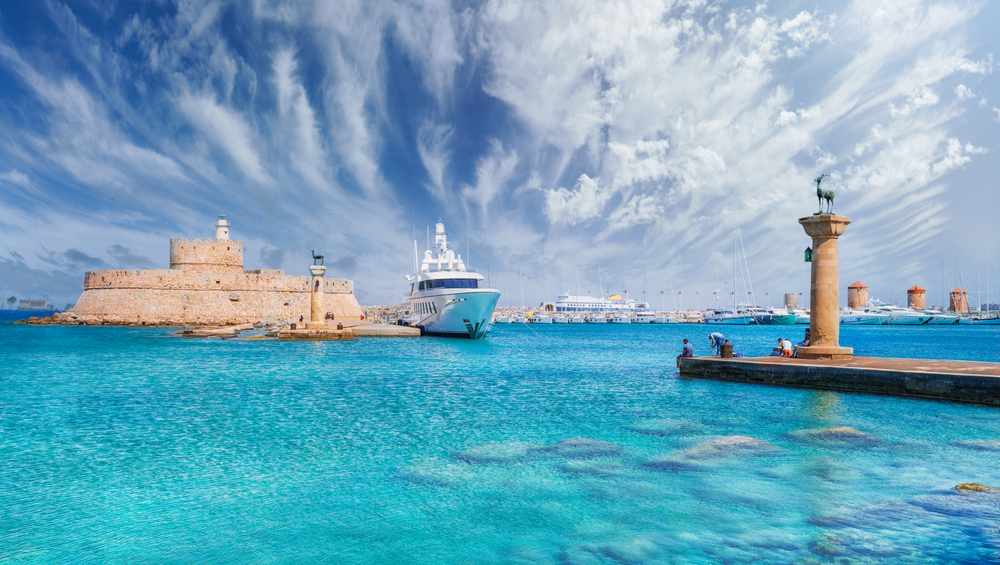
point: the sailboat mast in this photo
(600, 285)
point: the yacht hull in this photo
(731, 320)
(987, 322)
(458, 314)
(862, 320)
(907, 320)
(776, 319)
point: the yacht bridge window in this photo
(449, 283)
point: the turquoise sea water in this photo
(126, 445)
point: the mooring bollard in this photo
(340, 326)
(727, 350)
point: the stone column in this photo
(824, 294)
(316, 316)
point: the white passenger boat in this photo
(539, 319)
(663, 319)
(446, 298)
(862, 317)
(597, 319)
(576, 319)
(519, 319)
(614, 303)
(560, 319)
(504, 319)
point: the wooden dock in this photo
(967, 381)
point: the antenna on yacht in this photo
(416, 262)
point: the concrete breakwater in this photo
(968, 381)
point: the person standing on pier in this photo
(715, 340)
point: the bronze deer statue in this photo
(317, 259)
(822, 195)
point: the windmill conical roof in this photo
(916, 289)
(857, 284)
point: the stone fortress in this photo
(206, 285)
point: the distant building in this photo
(34, 304)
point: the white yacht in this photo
(862, 317)
(597, 319)
(503, 319)
(940, 318)
(801, 315)
(662, 318)
(560, 319)
(643, 317)
(901, 316)
(778, 316)
(446, 298)
(519, 319)
(539, 319)
(576, 319)
(740, 318)
(620, 318)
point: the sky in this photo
(566, 144)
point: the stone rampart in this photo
(180, 297)
(219, 256)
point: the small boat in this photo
(539, 319)
(801, 315)
(560, 319)
(576, 319)
(643, 318)
(992, 321)
(519, 319)
(596, 319)
(663, 319)
(620, 318)
(501, 320)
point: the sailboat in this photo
(736, 316)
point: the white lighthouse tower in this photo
(222, 228)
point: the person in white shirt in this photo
(786, 347)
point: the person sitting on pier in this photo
(687, 351)
(804, 343)
(776, 351)
(715, 342)
(786, 347)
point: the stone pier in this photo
(824, 293)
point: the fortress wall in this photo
(175, 279)
(178, 297)
(220, 256)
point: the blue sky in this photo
(549, 136)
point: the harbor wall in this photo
(891, 378)
(180, 297)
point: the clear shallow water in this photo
(124, 445)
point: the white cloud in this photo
(585, 202)
(227, 130)
(493, 172)
(15, 176)
(640, 209)
(919, 98)
(432, 146)
(964, 93)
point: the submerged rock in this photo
(436, 472)
(979, 444)
(583, 448)
(595, 468)
(722, 448)
(497, 452)
(966, 488)
(665, 427)
(839, 436)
